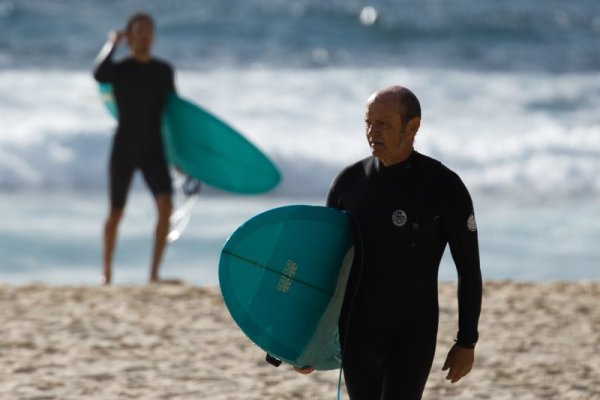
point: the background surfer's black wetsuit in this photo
(406, 213)
(140, 91)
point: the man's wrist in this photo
(467, 345)
(467, 338)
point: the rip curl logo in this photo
(287, 277)
(471, 223)
(399, 218)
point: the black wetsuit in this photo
(405, 215)
(140, 92)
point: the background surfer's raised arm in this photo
(103, 63)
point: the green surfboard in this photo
(208, 149)
(283, 275)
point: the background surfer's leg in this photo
(164, 208)
(110, 238)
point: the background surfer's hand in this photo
(459, 362)
(117, 36)
(305, 370)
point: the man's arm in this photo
(461, 231)
(172, 87)
(103, 65)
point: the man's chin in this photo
(144, 48)
(376, 151)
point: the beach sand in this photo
(538, 341)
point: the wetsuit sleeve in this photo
(461, 231)
(332, 195)
(172, 87)
(104, 66)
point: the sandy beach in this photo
(538, 341)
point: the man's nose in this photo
(371, 130)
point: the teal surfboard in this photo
(208, 149)
(283, 275)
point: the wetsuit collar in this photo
(398, 167)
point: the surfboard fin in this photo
(272, 360)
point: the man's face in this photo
(141, 36)
(384, 129)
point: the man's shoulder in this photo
(352, 172)
(434, 166)
(160, 63)
(123, 61)
(443, 177)
(358, 167)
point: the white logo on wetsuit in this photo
(399, 218)
(471, 223)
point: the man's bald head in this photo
(408, 104)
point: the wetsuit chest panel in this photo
(400, 219)
(140, 93)
(396, 210)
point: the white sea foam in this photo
(524, 133)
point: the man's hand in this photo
(305, 370)
(459, 362)
(117, 37)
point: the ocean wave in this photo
(528, 134)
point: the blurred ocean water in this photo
(510, 94)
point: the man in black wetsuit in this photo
(141, 85)
(406, 207)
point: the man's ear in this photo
(413, 126)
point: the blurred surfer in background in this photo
(141, 84)
(406, 207)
